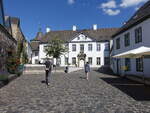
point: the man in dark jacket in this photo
(48, 70)
(87, 70)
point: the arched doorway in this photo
(81, 63)
(81, 59)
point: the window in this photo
(138, 35)
(59, 61)
(128, 64)
(139, 64)
(98, 47)
(127, 39)
(90, 60)
(82, 48)
(73, 47)
(118, 43)
(107, 47)
(98, 61)
(66, 61)
(90, 47)
(73, 60)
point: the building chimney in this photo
(48, 29)
(95, 27)
(74, 28)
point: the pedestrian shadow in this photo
(82, 77)
(136, 90)
(43, 82)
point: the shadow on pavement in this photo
(43, 82)
(82, 77)
(133, 89)
(104, 70)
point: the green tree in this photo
(19, 49)
(56, 48)
(24, 56)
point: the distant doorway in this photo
(81, 59)
(81, 63)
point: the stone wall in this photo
(16, 29)
(7, 43)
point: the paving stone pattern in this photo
(70, 93)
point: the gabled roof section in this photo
(142, 14)
(67, 35)
(34, 45)
(79, 34)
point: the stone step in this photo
(26, 72)
(29, 67)
(37, 72)
(34, 68)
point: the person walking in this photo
(48, 70)
(87, 70)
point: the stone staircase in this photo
(30, 69)
(33, 69)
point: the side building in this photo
(7, 42)
(131, 45)
(84, 45)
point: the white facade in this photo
(29, 51)
(119, 63)
(35, 57)
(79, 40)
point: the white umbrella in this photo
(127, 54)
(141, 51)
(135, 53)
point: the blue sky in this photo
(63, 14)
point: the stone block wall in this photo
(7, 43)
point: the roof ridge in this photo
(83, 30)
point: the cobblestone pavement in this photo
(72, 93)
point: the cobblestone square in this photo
(72, 93)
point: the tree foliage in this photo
(55, 48)
(12, 62)
(19, 49)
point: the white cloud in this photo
(71, 2)
(109, 4)
(111, 12)
(109, 8)
(130, 3)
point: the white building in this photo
(132, 35)
(29, 51)
(93, 43)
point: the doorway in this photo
(118, 66)
(81, 63)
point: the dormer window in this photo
(78, 38)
